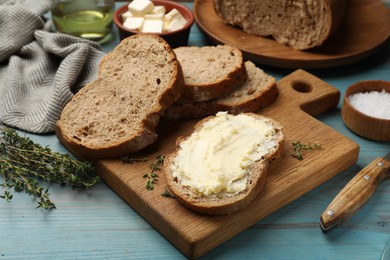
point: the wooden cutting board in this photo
(301, 95)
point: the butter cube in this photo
(174, 20)
(169, 16)
(154, 16)
(175, 24)
(152, 26)
(133, 23)
(141, 7)
(159, 9)
(126, 14)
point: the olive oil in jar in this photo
(89, 19)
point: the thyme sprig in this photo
(24, 164)
(132, 159)
(166, 193)
(299, 146)
(152, 176)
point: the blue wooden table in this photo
(97, 224)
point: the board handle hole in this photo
(301, 86)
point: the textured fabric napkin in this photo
(39, 70)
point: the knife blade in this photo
(355, 193)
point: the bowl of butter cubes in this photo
(170, 20)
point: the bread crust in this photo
(249, 16)
(337, 8)
(221, 204)
(133, 141)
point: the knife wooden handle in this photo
(355, 194)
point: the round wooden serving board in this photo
(365, 28)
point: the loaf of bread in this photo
(257, 92)
(300, 24)
(210, 71)
(117, 113)
(222, 166)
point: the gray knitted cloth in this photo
(39, 70)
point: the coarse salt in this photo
(373, 103)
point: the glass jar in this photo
(89, 19)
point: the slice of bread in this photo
(222, 166)
(258, 91)
(117, 113)
(299, 24)
(210, 71)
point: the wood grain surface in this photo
(301, 95)
(365, 28)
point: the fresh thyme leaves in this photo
(152, 176)
(155, 166)
(166, 193)
(152, 179)
(23, 164)
(298, 147)
(130, 159)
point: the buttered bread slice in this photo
(221, 167)
(117, 113)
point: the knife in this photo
(355, 194)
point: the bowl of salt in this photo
(366, 109)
